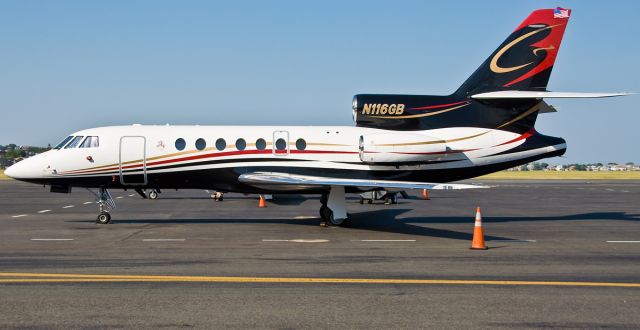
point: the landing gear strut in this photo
(105, 200)
(333, 209)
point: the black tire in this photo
(327, 216)
(370, 201)
(104, 218)
(361, 200)
(324, 199)
(324, 211)
(153, 194)
(336, 222)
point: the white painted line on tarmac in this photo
(623, 241)
(44, 211)
(85, 203)
(131, 195)
(119, 197)
(52, 239)
(299, 240)
(513, 240)
(163, 240)
(309, 240)
(68, 206)
(19, 216)
(384, 240)
(305, 217)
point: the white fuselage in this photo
(152, 150)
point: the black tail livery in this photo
(523, 62)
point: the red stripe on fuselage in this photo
(438, 106)
(213, 155)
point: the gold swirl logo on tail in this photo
(493, 65)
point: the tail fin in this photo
(525, 59)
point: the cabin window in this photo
(241, 144)
(301, 144)
(281, 144)
(90, 142)
(74, 143)
(261, 144)
(180, 144)
(64, 142)
(221, 144)
(201, 144)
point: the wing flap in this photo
(275, 178)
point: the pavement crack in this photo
(136, 232)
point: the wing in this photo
(285, 179)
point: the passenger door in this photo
(132, 160)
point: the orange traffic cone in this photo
(261, 204)
(478, 236)
(425, 194)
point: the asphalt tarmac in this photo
(561, 255)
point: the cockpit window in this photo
(76, 140)
(64, 142)
(90, 142)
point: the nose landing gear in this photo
(104, 200)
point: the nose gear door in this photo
(133, 161)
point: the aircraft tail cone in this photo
(478, 236)
(425, 194)
(261, 204)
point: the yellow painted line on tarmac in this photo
(79, 278)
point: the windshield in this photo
(63, 143)
(74, 142)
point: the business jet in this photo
(398, 141)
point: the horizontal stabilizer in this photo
(274, 178)
(540, 95)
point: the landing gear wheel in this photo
(104, 218)
(324, 213)
(337, 222)
(324, 199)
(327, 215)
(153, 194)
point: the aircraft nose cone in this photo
(23, 170)
(11, 171)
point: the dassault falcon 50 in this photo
(398, 141)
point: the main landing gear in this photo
(334, 207)
(105, 200)
(153, 194)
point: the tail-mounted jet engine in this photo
(399, 148)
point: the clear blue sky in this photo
(69, 65)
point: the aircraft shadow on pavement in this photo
(379, 220)
(569, 217)
(386, 221)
